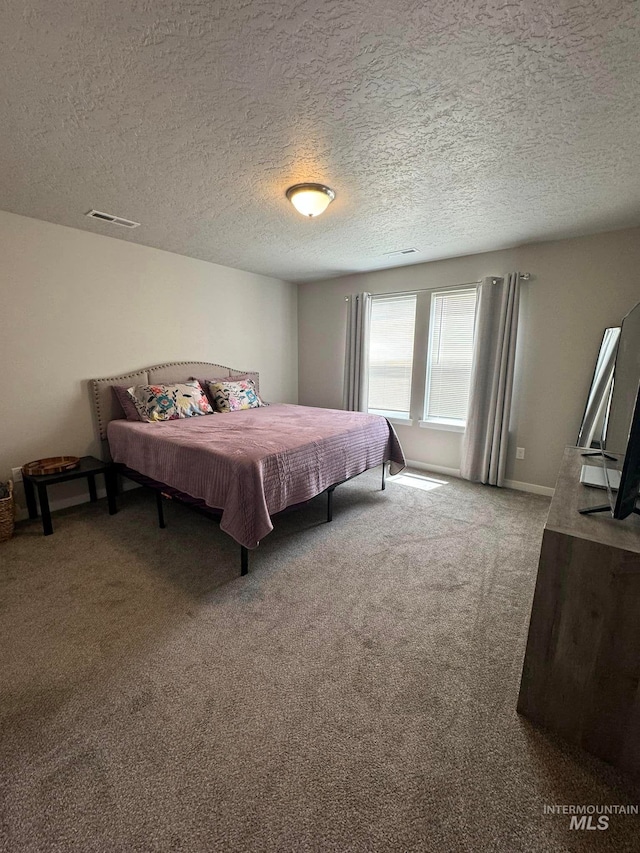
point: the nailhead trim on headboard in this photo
(111, 380)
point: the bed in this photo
(242, 467)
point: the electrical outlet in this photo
(16, 475)
(519, 452)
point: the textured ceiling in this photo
(453, 126)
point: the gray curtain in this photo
(484, 444)
(356, 389)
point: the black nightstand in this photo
(88, 467)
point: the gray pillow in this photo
(128, 406)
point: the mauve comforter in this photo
(252, 464)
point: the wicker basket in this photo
(7, 515)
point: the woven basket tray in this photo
(7, 515)
(50, 465)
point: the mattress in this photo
(254, 463)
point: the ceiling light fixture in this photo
(310, 199)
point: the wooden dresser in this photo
(581, 670)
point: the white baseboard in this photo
(75, 500)
(533, 488)
(529, 487)
(436, 469)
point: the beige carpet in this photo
(356, 692)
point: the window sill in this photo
(441, 423)
(394, 419)
(400, 421)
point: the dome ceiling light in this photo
(310, 199)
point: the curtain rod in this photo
(525, 276)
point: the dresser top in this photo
(570, 496)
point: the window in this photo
(419, 341)
(393, 320)
(449, 357)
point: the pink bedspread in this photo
(254, 463)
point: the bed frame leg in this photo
(330, 492)
(384, 468)
(244, 560)
(160, 510)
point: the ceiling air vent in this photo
(114, 220)
(399, 252)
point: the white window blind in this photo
(393, 320)
(450, 355)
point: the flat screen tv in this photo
(629, 488)
(621, 435)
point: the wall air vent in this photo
(114, 220)
(399, 252)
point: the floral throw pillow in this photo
(207, 383)
(234, 396)
(169, 402)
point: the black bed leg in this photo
(384, 468)
(244, 560)
(160, 510)
(330, 503)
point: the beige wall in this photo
(75, 305)
(579, 286)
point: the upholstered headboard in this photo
(107, 407)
